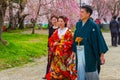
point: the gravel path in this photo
(36, 70)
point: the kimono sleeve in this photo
(98, 42)
(74, 37)
(52, 40)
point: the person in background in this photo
(98, 22)
(53, 25)
(119, 31)
(114, 31)
(105, 21)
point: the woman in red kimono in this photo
(60, 43)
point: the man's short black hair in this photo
(114, 17)
(118, 18)
(88, 9)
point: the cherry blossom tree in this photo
(114, 7)
(68, 8)
(3, 6)
(106, 7)
(100, 7)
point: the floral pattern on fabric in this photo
(63, 64)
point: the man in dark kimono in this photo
(114, 31)
(119, 31)
(90, 52)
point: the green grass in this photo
(105, 30)
(22, 48)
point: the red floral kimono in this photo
(62, 66)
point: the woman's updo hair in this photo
(65, 19)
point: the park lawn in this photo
(22, 48)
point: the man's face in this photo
(84, 14)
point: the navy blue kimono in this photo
(93, 42)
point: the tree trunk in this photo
(35, 20)
(2, 14)
(33, 30)
(21, 23)
(12, 19)
(21, 17)
(1, 24)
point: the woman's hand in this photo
(73, 56)
(55, 44)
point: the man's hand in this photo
(102, 58)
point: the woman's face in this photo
(54, 21)
(61, 22)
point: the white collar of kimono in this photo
(62, 32)
(55, 27)
(83, 23)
